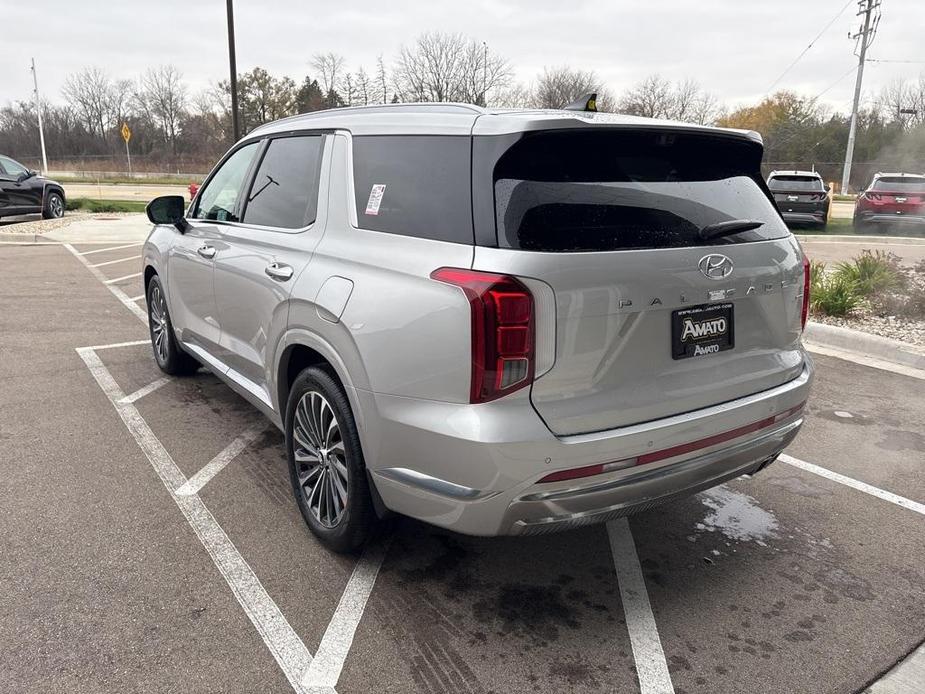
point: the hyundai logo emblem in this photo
(715, 266)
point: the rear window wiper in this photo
(733, 226)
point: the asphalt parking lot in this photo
(151, 542)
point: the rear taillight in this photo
(804, 312)
(873, 197)
(503, 331)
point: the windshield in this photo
(894, 184)
(568, 191)
(796, 183)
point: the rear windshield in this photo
(899, 185)
(810, 183)
(607, 191)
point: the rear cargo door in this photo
(652, 319)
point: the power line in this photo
(853, 68)
(805, 50)
(882, 60)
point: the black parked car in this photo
(23, 191)
(801, 196)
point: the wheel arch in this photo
(298, 349)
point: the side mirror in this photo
(168, 209)
(25, 176)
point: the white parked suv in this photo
(500, 322)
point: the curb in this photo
(22, 238)
(856, 341)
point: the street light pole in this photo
(38, 110)
(233, 68)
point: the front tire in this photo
(326, 466)
(170, 357)
(53, 207)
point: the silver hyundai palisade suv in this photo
(499, 322)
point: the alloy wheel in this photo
(321, 459)
(159, 323)
(56, 206)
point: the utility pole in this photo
(38, 109)
(871, 11)
(232, 66)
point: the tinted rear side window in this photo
(284, 192)
(606, 191)
(795, 183)
(414, 185)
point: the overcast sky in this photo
(734, 48)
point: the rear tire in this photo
(53, 207)
(170, 357)
(326, 466)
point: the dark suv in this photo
(801, 196)
(23, 191)
(891, 200)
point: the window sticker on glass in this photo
(375, 198)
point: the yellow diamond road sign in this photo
(126, 133)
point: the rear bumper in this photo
(814, 217)
(892, 219)
(476, 469)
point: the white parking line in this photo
(120, 260)
(137, 298)
(855, 484)
(651, 668)
(112, 345)
(338, 637)
(278, 635)
(119, 279)
(112, 248)
(146, 390)
(139, 312)
(214, 466)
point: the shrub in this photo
(871, 272)
(833, 295)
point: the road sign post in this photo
(127, 135)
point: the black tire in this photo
(318, 473)
(53, 207)
(170, 357)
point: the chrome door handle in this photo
(279, 272)
(206, 251)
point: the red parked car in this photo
(892, 200)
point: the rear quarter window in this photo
(414, 185)
(608, 191)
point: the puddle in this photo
(737, 516)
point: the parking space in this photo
(153, 542)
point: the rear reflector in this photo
(666, 453)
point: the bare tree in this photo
(449, 67)
(363, 87)
(90, 93)
(559, 86)
(657, 97)
(161, 96)
(329, 66)
(382, 82)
